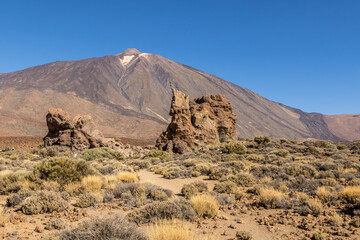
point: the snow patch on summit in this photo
(126, 59)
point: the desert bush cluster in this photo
(313, 179)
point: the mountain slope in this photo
(129, 95)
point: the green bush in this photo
(63, 170)
(109, 227)
(234, 147)
(43, 202)
(98, 153)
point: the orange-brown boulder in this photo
(78, 134)
(205, 120)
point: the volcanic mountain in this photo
(129, 96)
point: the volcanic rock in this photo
(205, 120)
(78, 134)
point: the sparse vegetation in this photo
(304, 183)
(43, 202)
(63, 170)
(100, 153)
(205, 205)
(234, 147)
(109, 227)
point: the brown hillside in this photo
(129, 96)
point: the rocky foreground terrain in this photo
(76, 184)
(254, 189)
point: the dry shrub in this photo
(156, 211)
(171, 230)
(280, 152)
(157, 154)
(335, 220)
(351, 194)
(271, 198)
(195, 188)
(205, 205)
(318, 236)
(110, 182)
(243, 236)
(74, 189)
(108, 227)
(3, 217)
(55, 223)
(225, 187)
(92, 183)
(43, 202)
(127, 177)
(15, 199)
(86, 200)
(99, 153)
(326, 194)
(315, 206)
(302, 197)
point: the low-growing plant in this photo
(351, 194)
(86, 200)
(3, 218)
(195, 188)
(205, 205)
(271, 198)
(234, 147)
(63, 170)
(315, 206)
(243, 235)
(318, 236)
(156, 211)
(225, 187)
(171, 230)
(127, 177)
(55, 223)
(43, 202)
(325, 194)
(92, 183)
(262, 139)
(99, 153)
(108, 227)
(157, 154)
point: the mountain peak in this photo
(129, 51)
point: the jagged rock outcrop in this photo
(78, 134)
(205, 120)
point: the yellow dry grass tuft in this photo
(325, 195)
(271, 198)
(171, 230)
(127, 177)
(92, 183)
(205, 205)
(351, 194)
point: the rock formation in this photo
(205, 120)
(78, 134)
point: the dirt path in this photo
(248, 224)
(174, 185)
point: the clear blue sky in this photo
(303, 53)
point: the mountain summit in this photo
(129, 95)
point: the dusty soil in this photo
(19, 142)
